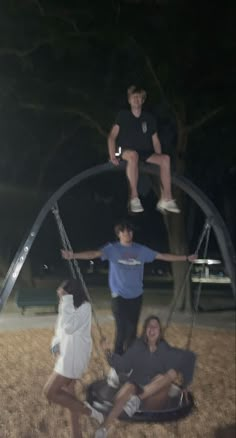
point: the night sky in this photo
(65, 67)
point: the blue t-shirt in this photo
(126, 264)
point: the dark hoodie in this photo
(146, 364)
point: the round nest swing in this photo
(101, 396)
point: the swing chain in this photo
(205, 232)
(199, 290)
(73, 264)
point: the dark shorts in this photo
(143, 155)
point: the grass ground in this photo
(25, 364)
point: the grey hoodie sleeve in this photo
(124, 363)
(182, 361)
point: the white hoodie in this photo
(73, 333)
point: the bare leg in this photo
(158, 400)
(163, 161)
(74, 417)
(55, 392)
(122, 397)
(131, 157)
(159, 383)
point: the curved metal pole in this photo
(188, 187)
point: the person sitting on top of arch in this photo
(135, 133)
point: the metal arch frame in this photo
(210, 211)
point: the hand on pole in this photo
(192, 257)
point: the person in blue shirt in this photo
(126, 269)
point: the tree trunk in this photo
(177, 244)
(175, 223)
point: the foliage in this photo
(65, 67)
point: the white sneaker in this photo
(132, 405)
(95, 414)
(170, 205)
(101, 433)
(136, 206)
(113, 378)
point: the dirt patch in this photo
(25, 364)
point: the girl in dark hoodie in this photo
(153, 366)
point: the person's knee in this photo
(161, 160)
(131, 388)
(70, 388)
(132, 157)
(172, 375)
(127, 390)
(165, 160)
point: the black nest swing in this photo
(178, 405)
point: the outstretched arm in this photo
(84, 255)
(122, 364)
(175, 258)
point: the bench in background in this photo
(34, 297)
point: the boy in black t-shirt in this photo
(134, 133)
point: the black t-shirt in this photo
(135, 132)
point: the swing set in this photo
(99, 393)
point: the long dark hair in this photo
(145, 324)
(75, 288)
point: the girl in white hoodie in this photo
(72, 346)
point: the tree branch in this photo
(66, 110)
(154, 75)
(40, 7)
(205, 119)
(152, 71)
(68, 21)
(21, 53)
(26, 52)
(52, 152)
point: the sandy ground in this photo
(25, 364)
